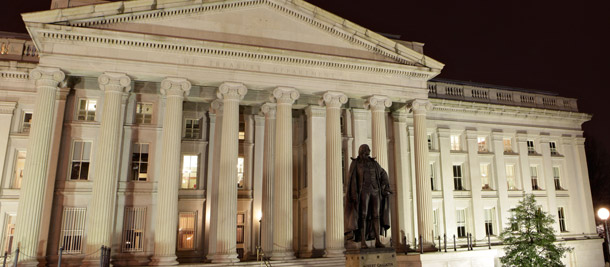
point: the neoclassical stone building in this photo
(193, 131)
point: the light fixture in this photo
(603, 213)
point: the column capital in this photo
(333, 99)
(377, 103)
(114, 82)
(400, 116)
(7, 107)
(172, 86)
(419, 106)
(285, 95)
(216, 107)
(46, 76)
(315, 111)
(496, 135)
(579, 140)
(544, 139)
(231, 91)
(268, 110)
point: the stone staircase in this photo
(318, 262)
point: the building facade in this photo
(196, 131)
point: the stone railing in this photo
(18, 49)
(504, 96)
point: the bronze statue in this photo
(367, 202)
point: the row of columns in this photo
(277, 223)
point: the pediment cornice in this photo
(96, 16)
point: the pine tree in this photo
(530, 240)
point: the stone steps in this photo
(318, 262)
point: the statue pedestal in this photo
(371, 257)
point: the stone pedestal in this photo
(373, 257)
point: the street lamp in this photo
(603, 214)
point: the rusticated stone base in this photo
(372, 257)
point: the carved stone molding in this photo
(420, 106)
(216, 107)
(285, 95)
(377, 103)
(7, 107)
(115, 82)
(268, 110)
(231, 91)
(46, 76)
(333, 99)
(175, 87)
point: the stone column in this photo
(547, 169)
(257, 178)
(402, 216)
(6, 118)
(282, 203)
(524, 163)
(446, 167)
(474, 168)
(316, 182)
(361, 128)
(377, 105)
(216, 110)
(268, 109)
(584, 189)
(424, 194)
(27, 227)
(500, 175)
(100, 224)
(166, 219)
(226, 224)
(334, 178)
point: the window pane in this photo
(186, 230)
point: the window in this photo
(429, 142)
(510, 177)
(432, 183)
(534, 175)
(482, 144)
(189, 171)
(530, 147)
(26, 124)
(9, 232)
(186, 230)
(139, 162)
(553, 146)
(192, 129)
(485, 180)
(144, 113)
(557, 178)
(435, 220)
(133, 229)
(455, 142)
(19, 166)
(562, 219)
(86, 109)
(460, 219)
(489, 225)
(457, 177)
(508, 147)
(72, 230)
(242, 131)
(240, 227)
(81, 156)
(240, 172)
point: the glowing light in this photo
(603, 213)
(259, 215)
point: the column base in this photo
(224, 258)
(282, 255)
(163, 261)
(334, 253)
(29, 263)
(428, 247)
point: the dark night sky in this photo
(556, 46)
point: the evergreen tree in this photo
(530, 240)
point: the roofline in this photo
(493, 86)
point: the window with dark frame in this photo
(139, 162)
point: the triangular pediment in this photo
(285, 25)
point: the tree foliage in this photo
(530, 240)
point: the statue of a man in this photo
(367, 190)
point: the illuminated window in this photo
(485, 180)
(186, 230)
(19, 165)
(455, 142)
(189, 171)
(482, 144)
(81, 156)
(133, 229)
(242, 135)
(508, 147)
(72, 230)
(553, 147)
(510, 177)
(489, 221)
(240, 228)
(562, 219)
(139, 162)
(191, 129)
(534, 175)
(240, 172)
(557, 178)
(9, 232)
(530, 147)
(460, 219)
(26, 124)
(144, 113)
(86, 109)
(457, 177)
